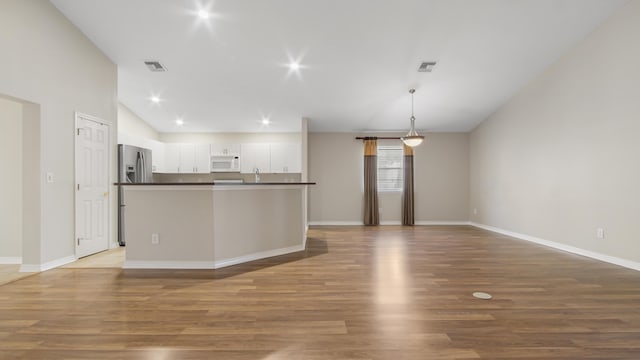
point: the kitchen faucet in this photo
(257, 175)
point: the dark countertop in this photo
(216, 184)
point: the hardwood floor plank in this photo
(355, 293)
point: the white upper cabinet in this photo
(157, 155)
(286, 158)
(187, 158)
(191, 158)
(273, 158)
(172, 158)
(255, 156)
(225, 149)
(202, 158)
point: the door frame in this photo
(109, 124)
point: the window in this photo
(390, 163)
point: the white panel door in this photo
(92, 186)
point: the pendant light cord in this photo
(411, 91)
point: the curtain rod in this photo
(376, 138)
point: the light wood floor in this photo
(355, 293)
(9, 273)
(113, 258)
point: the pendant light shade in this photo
(412, 138)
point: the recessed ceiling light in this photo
(265, 121)
(294, 66)
(155, 99)
(179, 122)
(203, 14)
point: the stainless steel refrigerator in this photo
(134, 166)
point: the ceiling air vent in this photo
(155, 65)
(426, 66)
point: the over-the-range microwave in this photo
(225, 163)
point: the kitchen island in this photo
(209, 225)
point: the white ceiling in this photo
(359, 58)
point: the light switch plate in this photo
(50, 177)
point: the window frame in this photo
(400, 149)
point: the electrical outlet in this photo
(600, 233)
(155, 239)
(475, 211)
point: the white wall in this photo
(11, 180)
(441, 179)
(48, 61)
(131, 124)
(562, 158)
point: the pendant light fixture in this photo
(412, 138)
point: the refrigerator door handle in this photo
(144, 168)
(139, 167)
(143, 173)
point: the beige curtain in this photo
(407, 188)
(371, 215)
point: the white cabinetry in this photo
(225, 149)
(187, 158)
(255, 156)
(273, 158)
(157, 155)
(286, 158)
(202, 158)
(172, 158)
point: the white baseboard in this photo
(385, 223)
(151, 264)
(9, 260)
(428, 223)
(257, 256)
(335, 223)
(48, 265)
(572, 249)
